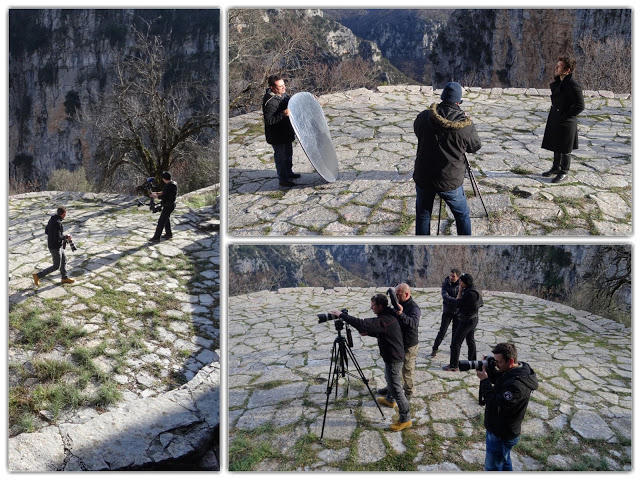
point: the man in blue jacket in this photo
(55, 243)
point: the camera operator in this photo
(468, 301)
(386, 328)
(168, 194)
(449, 292)
(409, 316)
(55, 240)
(505, 394)
(444, 134)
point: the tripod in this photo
(339, 366)
(474, 186)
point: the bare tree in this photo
(150, 122)
(604, 64)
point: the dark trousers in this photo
(561, 161)
(447, 318)
(464, 331)
(164, 222)
(283, 156)
(59, 262)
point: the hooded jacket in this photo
(386, 328)
(55, 232)
(469, 303)
(444, 134)
(506, 397)
(277, 126)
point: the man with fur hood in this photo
(444, 134)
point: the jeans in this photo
(464, 331)
(447, 317)
(456, 201)
(163, 222)
(393, 376)
(283, 156)
(498, 456)
(59, 262)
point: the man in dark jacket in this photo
(409, 316)
(561, 132)
(505, 394)
(449, 293)
(278, 130)
(386, 328)
(168, 198)
(444, 134)
(55, 243)
(468, 301)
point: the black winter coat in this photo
(55, 232)
(449, 293)
(277, 126)
(386, 328)
(469, 303)
(409, 322)
(567, 101)
(506, 396)
(444, 134)
(169, 194)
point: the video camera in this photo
(147, 188)
(70, 242)
(488, 362)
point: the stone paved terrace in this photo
(580, 418)
(375, 194)
(142, 319)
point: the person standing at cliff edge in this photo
(444, 134)
(561, 132)
(278, 130)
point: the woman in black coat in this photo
(561, 132)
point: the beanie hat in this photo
(467, 279)
(166, 175)
(452, 93)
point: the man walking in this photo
(505, 394)
(55, 243)
(468, 301)
(444, 134)
(168, 198)
(449, 292)
(561, 132)
(278, 130)
(386, 328)
(409, 316)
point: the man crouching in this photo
(386, 328)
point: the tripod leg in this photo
(474, 186)
(333, 376)
(364, 379)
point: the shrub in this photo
(66, 181)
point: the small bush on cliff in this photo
(66, 181)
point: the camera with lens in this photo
(147, 188)
(325, 317)
(391, 293)
(488, 362)
(70, 243)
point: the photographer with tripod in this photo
(56, 241)
(505, 394)
(444, 134)
(386, 328)
(168, 194)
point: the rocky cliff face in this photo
(591, 276)
(60, 60)
(518, 47)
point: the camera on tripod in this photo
(70, 243)
(325, 317)
(488, 362)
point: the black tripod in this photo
(474, 186)
(339, 367)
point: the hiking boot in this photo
(36, 280)
(398, 425)
(386, 403)
(449, 368)
(67, 280)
